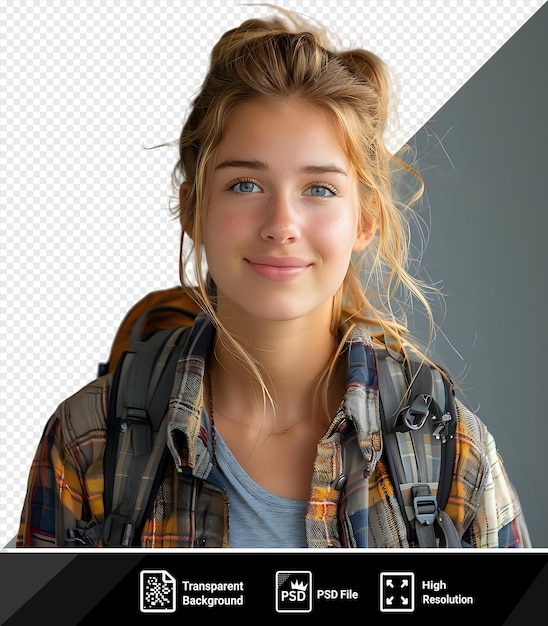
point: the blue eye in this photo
(245, 186)
(320, 191)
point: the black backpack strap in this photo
(140, 445)
(145, 366)
(418, 421)
(136, 437)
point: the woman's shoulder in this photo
(85, 411)
(471, 426)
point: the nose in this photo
(281, 222)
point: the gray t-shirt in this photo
(258, 518)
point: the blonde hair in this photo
(285, 57)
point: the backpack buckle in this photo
(426, 508)
(441, 426)
(413, 417)
(118, 531)
(78, 535)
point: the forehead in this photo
(289, 128)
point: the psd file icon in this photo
(293, 592)
(158, 591)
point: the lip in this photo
(278, 268)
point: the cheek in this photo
(217, 228)
(335, 236)
(223, 234)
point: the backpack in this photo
(417, 414)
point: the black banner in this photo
(502, 587)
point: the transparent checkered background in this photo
(85, 225)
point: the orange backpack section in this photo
(158, 310)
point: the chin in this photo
(277, 312)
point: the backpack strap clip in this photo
(84, 537)
(426, 510)
(441, 426)
(425, 506)
(413, 417)
(118, 531)
(136, 414)
(115, 532)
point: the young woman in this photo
(286, 204)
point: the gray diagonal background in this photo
(484, 161)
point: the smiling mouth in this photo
(279, 269)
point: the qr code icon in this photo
(158, 591)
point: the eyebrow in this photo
(254, 164)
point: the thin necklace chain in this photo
(285, 430)
(212, 421)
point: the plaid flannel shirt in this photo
(65, 484)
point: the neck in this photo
(291, 356)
